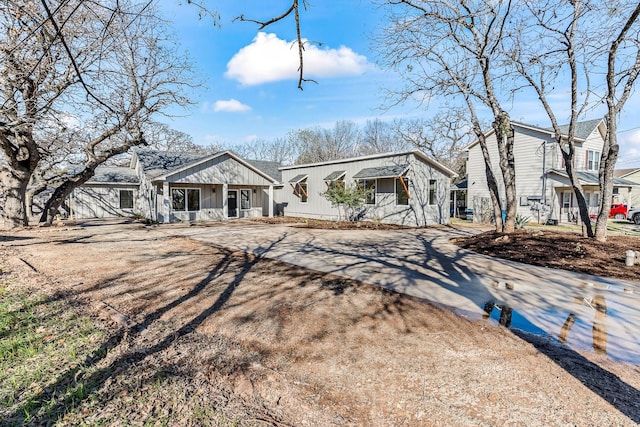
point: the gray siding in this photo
(417, 213)
(101, 201)
(529, 152)
(219, 171)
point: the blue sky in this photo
(251, 77)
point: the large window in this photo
(432, 191)
(402, 191)
(245, 199)
(368, 186)
(185, 199)
(593, 160)
(126, 199)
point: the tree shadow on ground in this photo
(54, 400)
(605, 384)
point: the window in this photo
(126, 199)
(593, 160)
(402, 191)
(245, 199)
(185, 199)
(432, 191)
(368, 186)
(338, 183)
(302, 190)
(193, 199)
(566, 200)
(299, 186)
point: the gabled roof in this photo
(156, 163)
(621, 173)
(205, 159)
(114, 175)
(270, 168)
(591, 178)
(582, 130)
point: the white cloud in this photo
(270, 59)
(230, 106)
(250, 138)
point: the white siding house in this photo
(171, 186)
(544, 192)
(113, 192)
(406, 188)
(632, 175)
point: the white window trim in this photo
(395, 195)
(375, 192)
(435, 193)
(306, 184)
(186, 199)
(591, 162)
(120, 198)
(250, 199)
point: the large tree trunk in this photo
(504, 137)
(13, 185)
(492, 183)
(583, 209)
(60, 194)
(607, 165)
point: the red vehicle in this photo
(618, 211)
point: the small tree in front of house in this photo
(349, 199)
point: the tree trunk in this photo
(608, 161)
(491, 183)
(14, 187)
(587, 231)
(504, 137)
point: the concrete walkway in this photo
(586, 312)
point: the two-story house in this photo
(544, 191)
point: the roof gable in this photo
(583, 130)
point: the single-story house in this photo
(407, 188)
(402, 188)
(173, 186)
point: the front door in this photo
(232, 203)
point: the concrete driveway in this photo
(586, 312)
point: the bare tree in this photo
(378, 136)
(279, 150)
(621, 74)
(161, 137)
(444, 136)
(320, 144)
(572, 39)
(450, 49)
(293, 9)
(100, 71)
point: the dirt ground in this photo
(262, 342)
(560, 249)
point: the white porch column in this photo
(166, 212)
(271, 201)
(225, 201)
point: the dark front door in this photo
(232, 203)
